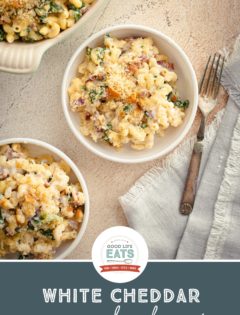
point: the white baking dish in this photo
(21, 57)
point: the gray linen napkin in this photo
(151, 205)
(199, 228)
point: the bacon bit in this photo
(84, 10)
(174, 98)
(145, 93)
(144, 59)
(87, 116)
(74, 225)
(112, 94)
(165, 64)
(98, 129)
(133, 67)
(99, 77)
(5, 19)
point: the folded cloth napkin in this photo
(212, 231)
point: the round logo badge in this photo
(120, 254)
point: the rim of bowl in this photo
(79, 176)
(81, 138)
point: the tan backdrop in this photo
(31, 106)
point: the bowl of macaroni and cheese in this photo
(44, 203)
(129, 94)
(29, 27)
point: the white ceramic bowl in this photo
(186, 85)
(21, 57)
(36, 148)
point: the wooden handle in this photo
(191, 182)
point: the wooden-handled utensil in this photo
(208, 92)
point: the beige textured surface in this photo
(31, 107)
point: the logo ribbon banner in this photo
(117, 267)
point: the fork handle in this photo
(189, 193)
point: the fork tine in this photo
(212, 89)
(219, 78)
(211, 80)
(204, 75)
(210, 75)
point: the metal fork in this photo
(208, 92)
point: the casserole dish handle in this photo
(20, 57)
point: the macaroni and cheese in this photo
(34, 20)
(39, 206)
(125, 93)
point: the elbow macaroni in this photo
(125, 93)
(34, 20)
(39, 207)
